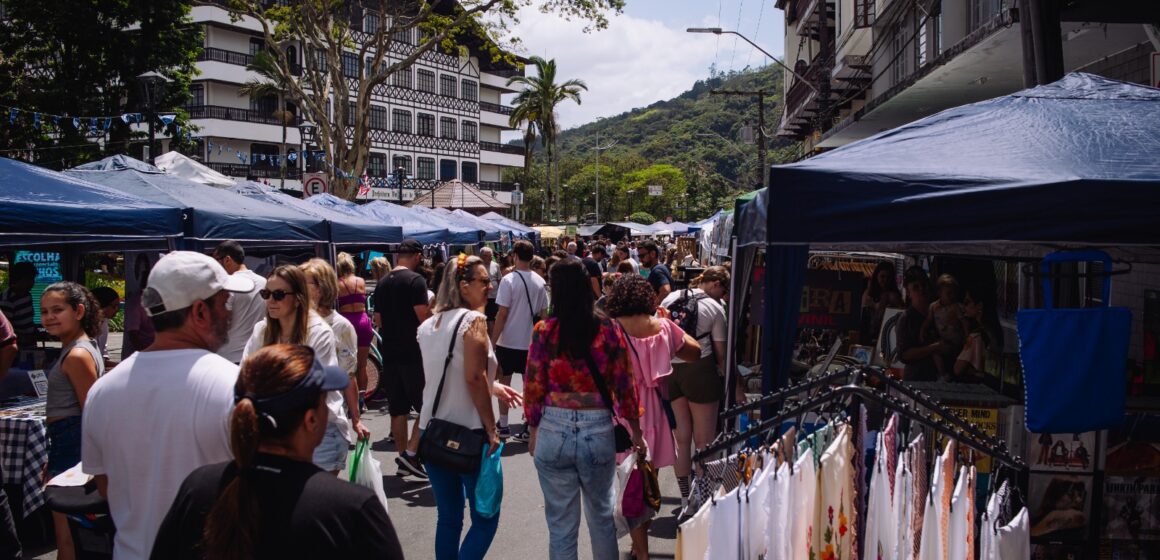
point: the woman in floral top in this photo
(571, 427)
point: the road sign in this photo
(517, 197)
(1156, 69)
(314, 183)
(655, 190)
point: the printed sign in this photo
(987, 419)
(831, 300)
(1132, 508)
(517, 197)
(39, 382)
(48, 272)
(655, 190)
(314, 183)
(1063, 452)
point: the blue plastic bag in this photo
(489, 486)
(1074, 360)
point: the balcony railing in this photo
(496, 108)
(214, 54)
(799, 91)
(258, 171)
(501, 148)
(235, 114)
(497, 186)
(506, 73)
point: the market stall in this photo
(344, 229)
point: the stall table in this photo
(24, 450)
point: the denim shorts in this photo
(64, 444)
(330, 455)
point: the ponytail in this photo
(718, 273)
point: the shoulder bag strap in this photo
(599, 379)
(527, 293)
(447, 362)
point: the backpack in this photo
(683, 312)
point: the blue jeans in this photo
(576, 456)
(450, 489)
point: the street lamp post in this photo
(519, 199)
(599, 149)
(152, 92)
(719, 31)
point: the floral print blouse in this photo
(564, 381)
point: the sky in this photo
(645, 55)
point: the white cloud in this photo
(633, 63)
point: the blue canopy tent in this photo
(1072, 163)
(491, 230)
(414, 225)
(39, 206)
(457, 225)
(211, 214)
(345, 229)
(517, 229)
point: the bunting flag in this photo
(77, 123)
(36, 121)
(292, 157)
(108, 123)
(12, 115)
(167, 119)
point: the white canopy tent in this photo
(186, 168)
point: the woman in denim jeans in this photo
(571, 427)
(466, 400)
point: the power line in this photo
(740, 10)
(756, 32)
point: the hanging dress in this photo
(651, 364)
(754, 511)
(693, 538)
(962, 517)
(834, 526)
(903, 504)
(920, 486)
(936, 519)
(725, 535)
(881, 529)
(778, 504)
(804, 496)
(1012, 540)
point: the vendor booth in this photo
(1017, 195)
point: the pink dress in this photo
(652, 358)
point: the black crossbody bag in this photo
(446, 444)
(528, 294)
(623, 440)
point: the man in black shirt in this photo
(659, 276)
(400, 305)
(600, 255)
(595, 275)
(918, 357)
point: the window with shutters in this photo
(371, 22)
(404, 162)
(377, 165)
(401, 121)
(350, 66)
(447, 128)
(426, 81)
(863, 13)
(469, 90)
(448, 86)
(351, 109)
(426, 124)
(470, 131)
(426, 168)
(378, 117)
(402, 78)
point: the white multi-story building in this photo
(439, 120)
(872, 65)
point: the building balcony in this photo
(494, 153)
(236, 114)
(244, 171)
(495, 115)
(496, 186)
(810, 20)
(496, 108)
(213, 54)
(501, 148)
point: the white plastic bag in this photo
(366, 471)
(622, 472)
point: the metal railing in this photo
(259, 171)
(496, 108)
(235, 114)
(496, 186)
(501, 148)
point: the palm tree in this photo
(526, 114)
(541, 95)
(271, 82)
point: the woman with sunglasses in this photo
(270, 502)
(468, 383)
(289, 320)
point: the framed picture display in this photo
(1062, 452)
(1060, 505)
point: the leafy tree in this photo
(63, 57)
(642, 218)
(539, 99)
(269, 84)
(670, 178)
(329, 29)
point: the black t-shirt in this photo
(659, 276)
(594, 271)
(909, 333)
(395, 299)
(304, 512)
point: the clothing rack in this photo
(935, 416)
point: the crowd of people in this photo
(220, 433)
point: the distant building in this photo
(878, 64)
(439, 120)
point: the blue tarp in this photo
(345, 229)
(38, 205)
(1072, 162)
(414, 225)
(211, 213)
(517, 229)
(461, 230)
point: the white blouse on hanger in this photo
(936, 521)
(962, 517)
(835, 524)
(725, 525)
(881, 529)
(693, 539)
(778, 504)
(1012, 540)
(753, 517)
(804, 493)
(903, 505)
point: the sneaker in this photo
(410, 466)
(523, 437)
(503, 432)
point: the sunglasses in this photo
(278, 295)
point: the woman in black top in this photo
(271, 501)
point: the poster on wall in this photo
(48, 272)
(1060, 507)
(831, 300)
(1134, 447)
(1062, 452)
(987, 419)
(1131, 508)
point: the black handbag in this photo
(623, 440)
(446, 444)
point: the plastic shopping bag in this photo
(366, 471)
(623, 471)
(489, 486)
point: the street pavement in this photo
(523, 532)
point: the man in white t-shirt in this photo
(246, 309)
(165, 410)
(494, 273)
(522, 297)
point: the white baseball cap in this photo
(183, 277)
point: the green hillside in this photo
(691, 145)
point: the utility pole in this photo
(599, 149)
(760, 95)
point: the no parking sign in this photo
(314, 183)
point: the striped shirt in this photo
(18, 310)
